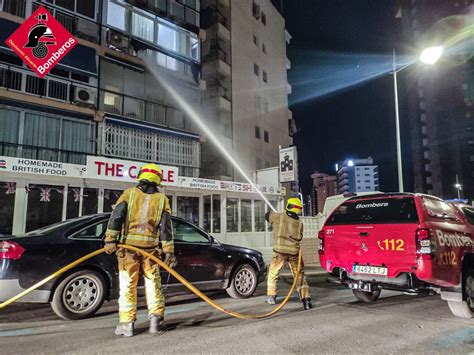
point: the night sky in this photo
(356, 122)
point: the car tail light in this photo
(321, 236)
(425, 247)
(10, 250)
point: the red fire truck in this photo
(407, 242)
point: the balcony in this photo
(288, 64)
(224, 104)
(223, 68)
(14, 7)
(220, 30)
(149, 145)
(79, 26)
(139, 109)
(289, 88)
(25, 81)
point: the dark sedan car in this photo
(28, 258)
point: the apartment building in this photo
(245, 68)
(100, 100)
(357, 175)
(440, 98)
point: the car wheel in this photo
(366, 297)
(243, 282)
(465, 308)
(79, 295)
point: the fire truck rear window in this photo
(388, 210)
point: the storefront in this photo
(35, 193)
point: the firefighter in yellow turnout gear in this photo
(141, 218)
(288, 232)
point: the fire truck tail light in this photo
(425, 247)
(321, 236)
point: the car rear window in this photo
(379, 210)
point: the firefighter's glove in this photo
(110, 247)
(170, 260)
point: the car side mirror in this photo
(213, 240)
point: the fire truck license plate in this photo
(372, 270)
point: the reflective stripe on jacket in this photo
(287, 232)
(141, 227)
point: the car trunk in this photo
(373, 236)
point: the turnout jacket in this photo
(142, 218)
(287, 231)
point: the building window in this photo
(257, 132)
(256, 69)
(255, 40)
(232, 215)
(259, 208)
(143, 27)
(246, 213)
(266, 136)
(188, 208)
(265, 106)
(7, 204)
(264, 48)
(264, 18)
(86, 8)
(45, 205)
(47, 137)
(117, 16)
(264, 76)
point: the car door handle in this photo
(364, 234)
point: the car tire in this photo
(79, 295)
(465, 308)
(367, 297)
(243, 283)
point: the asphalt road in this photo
(337, 324)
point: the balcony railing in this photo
(43, 153)
(137, 144)
(23, 80)
(14, 7)
(133, 107)
(79, 26)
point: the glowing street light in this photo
(431, 55)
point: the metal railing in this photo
(23, 80)
(43, 153)
(78, 25)
(14, 7)
(137, 144)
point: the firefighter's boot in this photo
(307, 303)
(125, 329)
(156, 324)
(271, 300)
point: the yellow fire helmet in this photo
(151, 173)
(294, 205)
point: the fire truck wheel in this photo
(465, 308)
(367, 297)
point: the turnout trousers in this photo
(129, 266)
(278, 262)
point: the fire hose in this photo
(171, 272)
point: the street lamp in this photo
(430, 56)
(458, 186)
